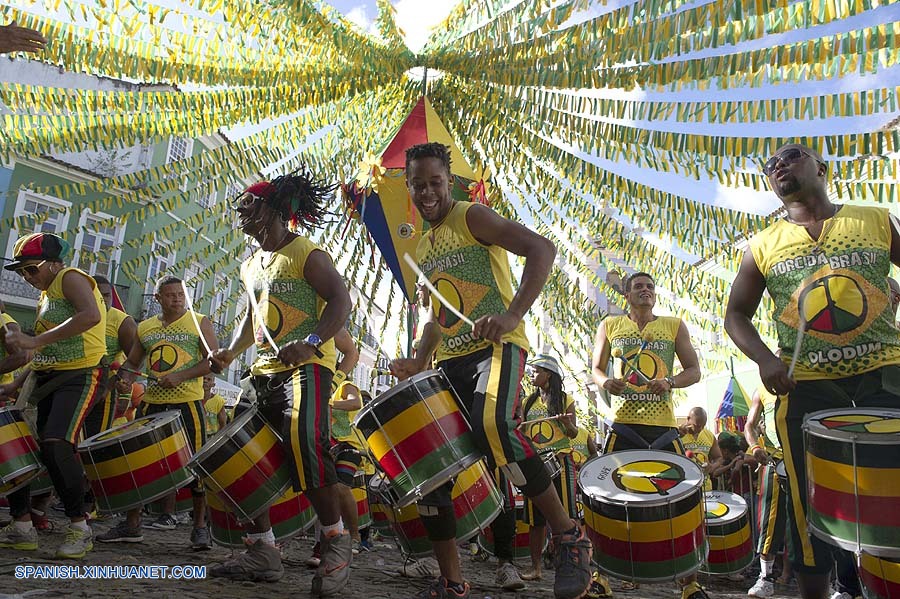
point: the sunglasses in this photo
(789, 156)
(244, 200)
(31, 269)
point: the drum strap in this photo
(623, 430)
(61, 377)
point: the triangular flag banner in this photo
(379, 196)
(732, 413)
(116, 300)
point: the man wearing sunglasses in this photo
(826, 268)
(68, 349)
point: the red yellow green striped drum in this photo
(245, 465)
(184, 502)
(291, 514)
(643, 511)
(364, 516)
(380, 503)
(418, 435)
(880, 577)
(853, 471)
(476, 502)
(19, 452)
(521, 547)
(132, 464)
(727, 533)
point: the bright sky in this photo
(414, 17)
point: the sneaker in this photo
(438, 590)
(508, 578)
(200, 540)
(693, 591)
(425, 567)
(260, 563)
(13, 538)
(573, 565)
(762, 588)
(164, 522)
(315, 559)
(78, 542)
(121, 533)
(333, 572)
(474, 548)
(599, 588)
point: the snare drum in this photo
(728, 533)
(853, 472)
(364, 516)
(643, 511)
(476, 502)
(132, 464)
(291, 514)
(418, 435)
(245, 465)
(19, 452)
(880, 577)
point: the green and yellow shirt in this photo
(114, 320)
(170, 349)
(699, 446)
(548, 434)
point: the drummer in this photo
(176, 364)
(465, 248)
(550, 423)
(847, 358)
(70, 375)
(759, 431)
(303, 304)
(9, 362)
(644, 416)
(700, 444)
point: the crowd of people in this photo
(79, 365)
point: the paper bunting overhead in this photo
(632, 137)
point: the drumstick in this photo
(800, 332)
(618, 353)
(435, 292)
(537, 420)
(254, 305)
(190, 307)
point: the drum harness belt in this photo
(62, 376)
(258, 388)
(623, 430)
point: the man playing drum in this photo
(825, 267)
(647, 345)
(465, 251)
(68, 365)
(700, 444)
(299, 304)
(176, 364)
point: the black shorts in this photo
(62, 413)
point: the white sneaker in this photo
(78, 542)
(762, 588)
(508, 578)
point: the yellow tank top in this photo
(114, 320)
(699, 446)
(548, 434)
(6, 377)
(289, 305)
(474, 278)
(341, 420)
(211, 410)
(170, 349)
(81, 351)
(637, 405)
(841, 285)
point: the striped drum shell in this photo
(291, 514)
(19, 451)
(853, 478)
(728, 533)
(135, 463)
(880, 577)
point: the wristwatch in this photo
(671, 381)
(315, 342)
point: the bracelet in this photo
(753, 448)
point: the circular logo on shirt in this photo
(648, 477)
(274, 320)
(863, 423)
(163, 358)
(645, 363)
(833, 304)
(450, 293)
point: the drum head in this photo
(723, 507)
(640, 476)
(878, 426)
(136, 427)
(400, 388)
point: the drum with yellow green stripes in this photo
(418, 434)
(184, 502)
(476, 502)
(727, 533)
(245, 465)
(879, 577)
(135, 463)
(364, 516)
(853, 478)
(19, 452)
(521, 543)
(291, 514)
(643, 511)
